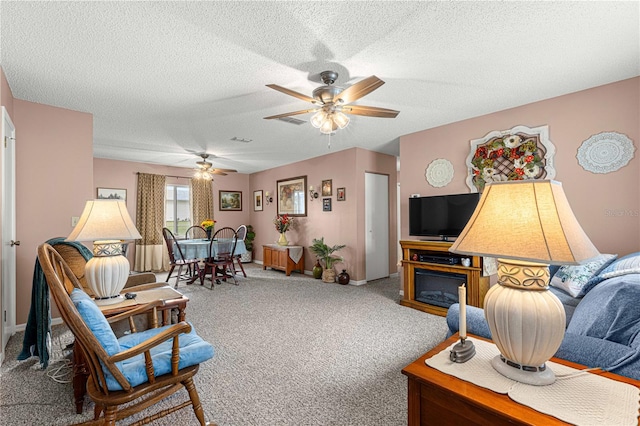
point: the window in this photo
(177, 211)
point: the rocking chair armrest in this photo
(171, 332)
(135, 311)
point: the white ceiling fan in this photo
(333, 102)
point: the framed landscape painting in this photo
(230, 200)
(292, 196)
(111, 194)
(257, 201)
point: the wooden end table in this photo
(438, 398)
(145, 293)
(279, 257)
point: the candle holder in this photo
(462, 351)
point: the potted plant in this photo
(325, 253)
(248, 242)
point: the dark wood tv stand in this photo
(477, 284)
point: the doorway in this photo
(376, 190)
(8, 301)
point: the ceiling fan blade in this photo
(370, 111)
(358, 90)
(225, 170)
(292, 93)
(288, 114)
(217, 172)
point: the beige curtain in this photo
(201, 200)
(150, 221)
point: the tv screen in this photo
(441, 216)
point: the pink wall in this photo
(122, 174)
(54, 170)
(344, 224)
(606, 205)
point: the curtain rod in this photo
(178, 177)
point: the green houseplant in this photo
(248, 242)
(324, 253)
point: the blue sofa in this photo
(603, 325)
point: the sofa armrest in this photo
(594, 352)
(476, 324)
(140, 278)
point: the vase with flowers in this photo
(208, 225)
(283, 223)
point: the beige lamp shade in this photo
(104, 220)
(525, 220)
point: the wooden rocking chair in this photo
(137, 370)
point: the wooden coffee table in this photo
(438, 398)
(145, 293)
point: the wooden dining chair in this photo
(134, 372)
(219, 262)
(241, 234)
(177, 258)
(195, 232)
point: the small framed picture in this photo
(341, 194)
(257, 201)
(327, 189)
(112, 194)
(230, 200)
(326, 204)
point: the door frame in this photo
(8, 214)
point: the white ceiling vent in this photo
(292, 120)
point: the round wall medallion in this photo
(439, 173)
(605, 152)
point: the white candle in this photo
(462, 299)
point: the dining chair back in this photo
(219, 262)
(195, 232)
(135, 371)
(177, 258)
(242, 234)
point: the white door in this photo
(376, 193)
(9, 243)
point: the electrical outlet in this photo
(415, 195)
(74, 220)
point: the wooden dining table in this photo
(199, 248)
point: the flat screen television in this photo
(441, 216)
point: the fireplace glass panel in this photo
(437, 288)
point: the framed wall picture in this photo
(326, 204)
(341, 194)
(230, 200)
(292, 196)
(257, 201)
(327, 189)
(111, 194)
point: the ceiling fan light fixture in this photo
(328, 126)
(318, 118)
(341, 119)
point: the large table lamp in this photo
(107, 224)
(527, 225)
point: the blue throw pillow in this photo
(629, 264)
(574, 278)
(95, 320)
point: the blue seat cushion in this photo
(193, 350)
(611, 311)
(95, 320)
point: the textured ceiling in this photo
(167, 80)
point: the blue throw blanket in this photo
(38, 329)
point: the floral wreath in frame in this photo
(516, 154)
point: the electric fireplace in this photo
(437, 288)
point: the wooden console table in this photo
(413, 251)
(283, 258)
(438, 398)
(145, 293)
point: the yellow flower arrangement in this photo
(208, 224)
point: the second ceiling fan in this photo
(205, 169)
(333, 102)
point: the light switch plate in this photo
(74, 220)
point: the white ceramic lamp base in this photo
(526, 320)
(107, 276)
